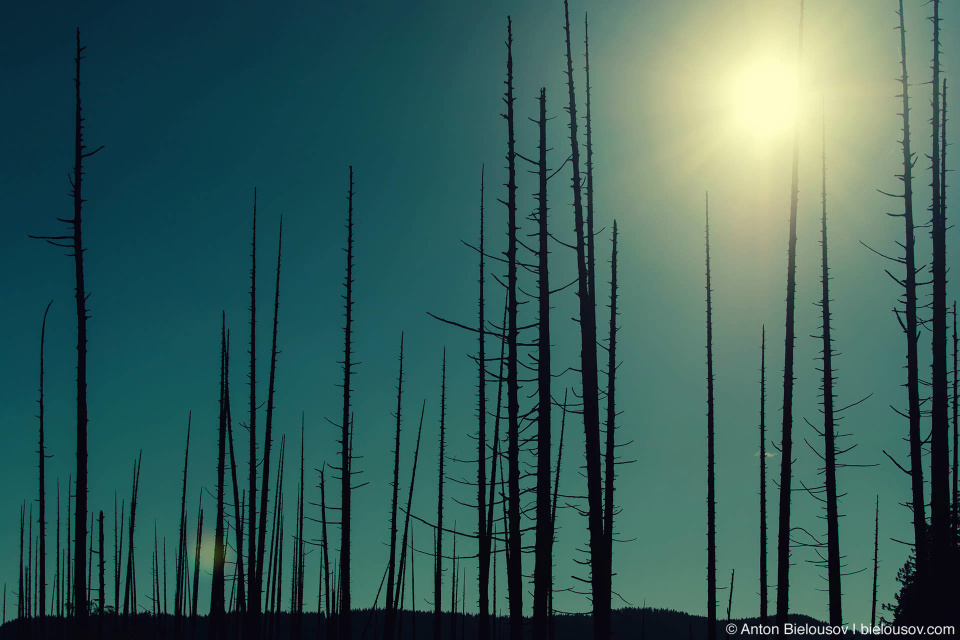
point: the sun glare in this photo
(763, 99)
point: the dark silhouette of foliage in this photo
(483, 534)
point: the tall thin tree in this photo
(711, 490)
(389, 619)
(268, 432)
(543, 557)
(876, 549)
(786, 443)
(483, 542)
(609, 458)
(74, 242)
(940, 426)
(514, 572)
(217, 608)
(763, 476)
(346, 437)
(600, 595)
(42, 550)
(829, 436)
(254, 595)
(180, 578)
(438, 540)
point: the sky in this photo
(197, 105)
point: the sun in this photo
(763, 99)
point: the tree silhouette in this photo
(438, 540)
(764, 618)
(42, 549)
(74, 242)
(389, 619)
(600, 592)
(711, 492)
(219, 557)
(786, 444)
(543, 569)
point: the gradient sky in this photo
(198, 104)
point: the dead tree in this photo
(940, 540)
(543, 568)
(268, 433)
(876, 548)
(711, 492)
(346, 438)
(829, 436)
(609, 458)
(217, 608)
(515, 569)
(786, 443)
(406, 522)
(390, 613)
(764, 618)
(179, 596)
(74, 242)
(196, 575)
(100, 609)
(42, 550)
(483, 543)
(130, 588)
(253, 592)
(438, 540)
(238, 510)
(600, 593)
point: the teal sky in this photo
(197, 105)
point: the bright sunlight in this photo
(763, 99)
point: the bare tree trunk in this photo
(42, 551)
(711, 492)
(515, 565)
(609, 458)
(389, 620)
(268, 434)
(328, 613)
(941, 546)
(764, 617)
(600, 595)
(438, 545)
(406, 519)
(483, 542)
(543, 568)
(217, 608)
(553, 510)
(876, 548)
(178, 597)
(829, 438)
(254, 594)
(130, 589)
(102, 563)
(118, 555)
(786, 445)
(344, 614)
(910, 322)
(238, 510)
(196, 575)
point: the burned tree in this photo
(711, 495)
(74, 242)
